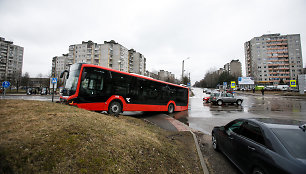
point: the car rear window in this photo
(294, 141)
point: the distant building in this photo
(110, 55)
(166, 76)
(151, 74)
(137, 62)
(59, 64)
(233, 68)
(11, 60)
(272, 57)
(114, 55)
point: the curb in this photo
(204, 167)
(182, 127)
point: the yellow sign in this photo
(292, 83)
(233, 84)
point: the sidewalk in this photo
(273, 93)
(166, 122)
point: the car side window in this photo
(253, 132)
(223, 95)
(229, 95)
(234, 126)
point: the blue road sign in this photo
(6, 84)
(54, 80)
(224, 83)
(188, 84)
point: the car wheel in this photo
(239, 102)
(170, 108)
(219, 102)
(258, 171)
(114, 108)
(214, 142)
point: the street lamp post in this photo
(183, 68)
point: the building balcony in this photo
(278, 68)
(284, 64)
(277, 40)
(277, 52)
(278, 56)
(277, 48)
(279, 72)
(279, 60)
(277, 44)
(281, 77)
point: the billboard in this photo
(245, 81)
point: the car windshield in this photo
(294, 141)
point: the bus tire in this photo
(114, 108)
(170, 108)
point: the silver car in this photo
(221, 97)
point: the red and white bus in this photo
(97, 88)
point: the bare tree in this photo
(25, 80)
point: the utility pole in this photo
(183, 68)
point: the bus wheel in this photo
(114, 108)
(170, 108)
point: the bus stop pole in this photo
(53, 91)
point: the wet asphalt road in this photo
(204, 116)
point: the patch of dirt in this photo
(217, 163)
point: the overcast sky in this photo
(210, 32)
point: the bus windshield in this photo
(72, 81)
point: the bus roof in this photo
(130, 74)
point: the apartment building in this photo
(86, 52)
(114, 55)
(271, 58)
(110, 54)
(137, 62)
(166, 76)
(233, 68)
(11, 60)
(59, 64)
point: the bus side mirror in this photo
(62, 74)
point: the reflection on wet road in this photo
(204, 116)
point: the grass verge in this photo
(44, 137)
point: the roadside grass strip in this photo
(44, 137)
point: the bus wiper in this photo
(303, 127)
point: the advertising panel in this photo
(245, 81)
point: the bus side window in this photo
(120, 84)
(92, 82)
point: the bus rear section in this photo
(97, 88)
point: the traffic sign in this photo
(292, 83)
(225, 84)
(233, 84)
(6, 84)
(188, 84)
(54, 80)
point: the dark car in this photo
(263, 145)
